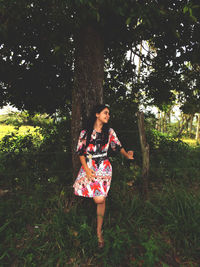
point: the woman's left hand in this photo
(130, 154)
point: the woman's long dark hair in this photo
(89, 127)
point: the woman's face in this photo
(104, 115)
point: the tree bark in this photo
(169, 116)
(187, 123)
(88, 81)
(164, 122)
(183, 125)
(145, 155)
(198, 127)
(158, 121)
(191, 124)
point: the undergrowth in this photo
(49, 228)
(44, 224)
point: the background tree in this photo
(44, 63)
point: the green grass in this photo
(42, 228)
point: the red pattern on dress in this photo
(101, 183)
(95, 186)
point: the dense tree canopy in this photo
(37, 49)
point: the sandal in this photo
(100, 244)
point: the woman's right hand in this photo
(90, 174)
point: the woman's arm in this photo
(89, 172)
(128, 155)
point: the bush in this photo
(172, 159)
(24, 118)
(27, 160)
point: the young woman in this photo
(94, 177)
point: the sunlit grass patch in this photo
(22, 130)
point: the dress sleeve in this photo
(114, 141)
(81, 146)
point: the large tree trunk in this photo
(145, 155)
(88, 81)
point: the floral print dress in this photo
(96, 158)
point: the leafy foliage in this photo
(29, 159)
(176, 159)
(24, 118)
(38, 43)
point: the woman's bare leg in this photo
(101, 205)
